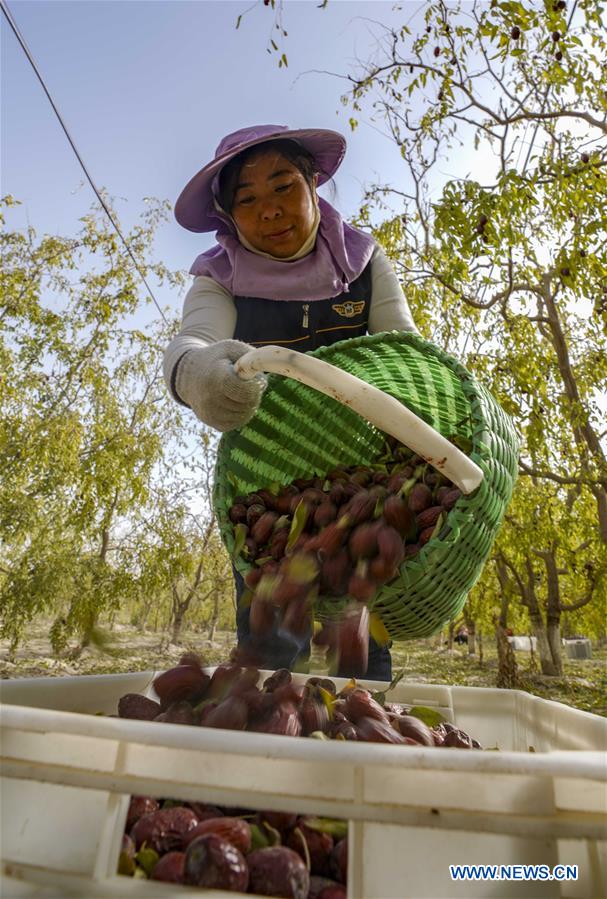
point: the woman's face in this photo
(273, 206)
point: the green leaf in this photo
(259, 562)
(335, 827)
(258, 838)
(429, 716)
(274, 837)
(297, 525)
(396, 679)
(463, 443)
(126, 864)
(146, 858)
(439, 524)
(380, 695)
(408, 486)
(240, 535)
(198, 709)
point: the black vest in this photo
(305, 325)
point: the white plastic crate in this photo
(524, 644)
(412, 811)
(578, 649)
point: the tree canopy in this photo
(504, 262)
(510, 271)
(105, 495)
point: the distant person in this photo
(462, 635)
(286, 270)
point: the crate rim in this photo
(586, 764)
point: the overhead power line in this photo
(24, 47)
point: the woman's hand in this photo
(207, 382)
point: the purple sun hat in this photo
(195, 209)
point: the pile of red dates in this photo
(232, 698)
(235, 849)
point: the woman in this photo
(286, 270)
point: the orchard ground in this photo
(583, 686)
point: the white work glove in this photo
(207, 382)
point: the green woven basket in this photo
(299, 432)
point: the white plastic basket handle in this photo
(382, 410)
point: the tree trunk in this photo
(533, 666)
(451, 634)
(538, 625)
(553, 607)
(144, 607)
(178, 617)
(180, 604)
(553, 634)
(155, 625)
(506, 660)
(543, 647)
(214, 617)
(587, 439)
(481, 659)
(471, 625)
(105, 543)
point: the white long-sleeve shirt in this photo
(209, 312)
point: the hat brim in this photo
(195, 209)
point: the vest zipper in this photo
(306, 309)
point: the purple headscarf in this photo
(340, 255)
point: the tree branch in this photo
(527, 115)
(574, 480)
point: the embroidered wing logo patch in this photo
(349, 309)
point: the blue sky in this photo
(147, 89)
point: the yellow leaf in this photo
(328, 700)
(378, 631)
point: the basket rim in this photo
(474, 391)
(480, 403)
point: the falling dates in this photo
(336, 540)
